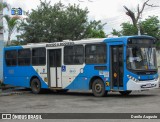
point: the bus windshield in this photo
(141, 58)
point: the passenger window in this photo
(74, 55)
(38, 56)
(95, 54)
(24, 57)
(11, 57)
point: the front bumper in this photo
(142, 85)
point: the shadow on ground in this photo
(80, 93)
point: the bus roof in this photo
(82, 41)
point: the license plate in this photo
(148, 85)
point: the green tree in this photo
(149, 26)
(136, 16)
(116, 33)
(55, 23)
(95, 29)
(17, 42)
(11, 26)
(2, 6)
(127, 30)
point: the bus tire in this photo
(35, 86)
(98, 88)
(125, 93)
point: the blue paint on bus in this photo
(21, 75)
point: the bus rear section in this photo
(25, 66)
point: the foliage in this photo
(95, 30)
(58, 22)
(136, 16)
(17, 42)
(11, 25)
(115, 32)
(149, 26)
(127, 30)
(2, 6)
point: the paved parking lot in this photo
(85, 102)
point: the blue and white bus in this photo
(122, 64)
(1, 60)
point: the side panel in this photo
(82, 80)
(77, 77)
(1, 60)
(53, 76)
(20, 76)
(73, 74)
(59, 77)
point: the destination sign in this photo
(140, 41)
(56, 44)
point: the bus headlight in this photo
(132, 78)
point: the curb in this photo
(12, 92)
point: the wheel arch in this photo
(33, 77)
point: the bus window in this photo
(68, 55)
(11, 58)
(38, 56)
(24, 57)
(74, 54)
(95, 54)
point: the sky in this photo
(111, 12)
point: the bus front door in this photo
(116, 70)
(55, 74)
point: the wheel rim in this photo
(98, 88)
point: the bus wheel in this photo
(36, 86)
(98, 88)
(125, 93)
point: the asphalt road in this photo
(146, 101)
(81, 102)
